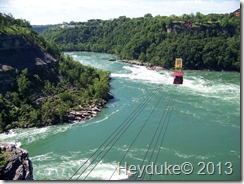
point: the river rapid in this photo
(202, 128)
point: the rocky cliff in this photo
(17, 165)
(18, 52)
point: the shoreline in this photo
(88, 112)
(155, 67)
(73, 116)
(146, 64)
(135, 62)
(85, 113)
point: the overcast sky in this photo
(40, 12)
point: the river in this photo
(196, 123)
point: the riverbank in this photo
(155, 67)
(139, 63)
(15, 163)
(88, 112)
(60, 149)
(135, 62)
(78, 114)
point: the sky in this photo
(41, 12)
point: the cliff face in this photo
(18, 52)
(12, 42)
(18, 165)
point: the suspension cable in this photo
(123, 124)
(132, 120)
(158, 128)
(110, 147)
(162, 140)
(138, 134)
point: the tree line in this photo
(203, 41)
(44, 95)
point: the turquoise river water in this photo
(197, 123)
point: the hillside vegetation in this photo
(203, 41)
(39, 85)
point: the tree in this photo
(23, 83)
(157, 39)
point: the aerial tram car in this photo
(178, 74)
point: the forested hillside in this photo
(203, 41)
(39, 86)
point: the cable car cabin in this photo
(178, 74)
(178, 78)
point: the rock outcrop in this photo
(18, 52)
(156, 68)
(135, 62)
(18, 166)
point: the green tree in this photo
(23, 83)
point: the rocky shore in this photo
(17, 165)
(148, 65)
(156, 68)
(86, 113)
(135, 62)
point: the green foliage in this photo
(23, 83)
(40, 28)
(3, 160)
(203, 41)
(9, 20)
(11, 26)
(44, 95)
(78, 85)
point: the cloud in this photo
(57, 11)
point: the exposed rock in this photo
(86, 113)
(18, 52)
(135, 62)
(13, 42)
(110, 96)
(156, 68)
(18, 166)
(112, 59)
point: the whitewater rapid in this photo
(205, 123)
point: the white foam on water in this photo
(27, 135)
(207, 88)
(205, 156)
(74, 123)
(105, 171)
(56, 166)
(190, 156)
(141, 73)
(136, 158)
(187, 112)
(61, 167)
(44, 157)
(62, 128)
(196, 85)
(30, 135)
(132, 150)
(235, 153)
(101, 120)
(17, 144)
(180, 154)
(134, 153)
(95, 122)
